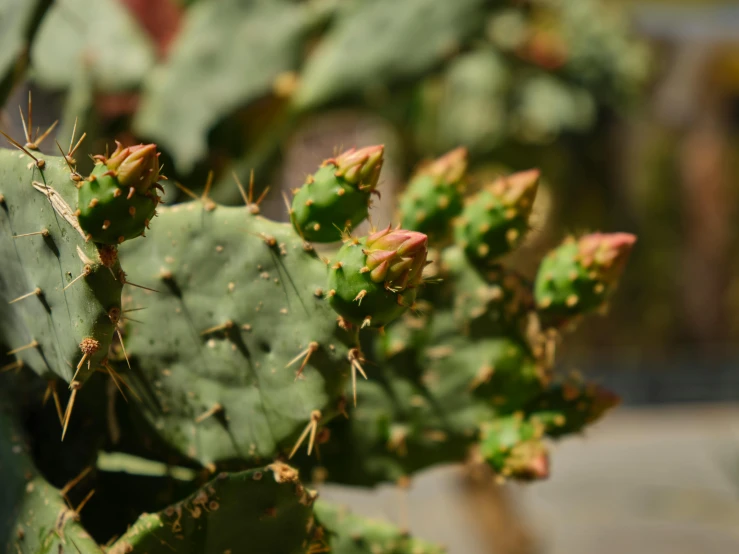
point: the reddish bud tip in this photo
(449, 168)
(360, 167)
(607, 253)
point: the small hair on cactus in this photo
(376, 278)
(119, 198)
(337, 196)
(433, 197)
(579, 276)
(496, 219)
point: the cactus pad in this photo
(261, 510)
(240, 299)
(60, 300)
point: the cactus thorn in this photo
(360, 296)
(38, 162)
(86, 272)
(18, 364)
(44, 232)
(36, 292)
(311, 428)
(305, 355)
(225, 326)
(52, 392)
(210, 412)
(122, 279)
(106, 224)
(355, 358)
(75, 386)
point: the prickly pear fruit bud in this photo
(119, 198)
(580, 275)
(337, 196)
(568, 407)
(513, 447)
(373, 280)
(434, 195)
(496, 219)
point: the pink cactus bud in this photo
(518, 190)
(606, 253)
(135, 166)
(396, 257)
(449, 168)
(360, 167)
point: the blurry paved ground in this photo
(652, 481)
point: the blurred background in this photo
(631, 111)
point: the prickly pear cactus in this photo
(245, 345)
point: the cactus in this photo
(434, 195)
(339, 191)
(495, 220)
(261, 510)
(119, 199)
(350, 534)
(61, 293)
(580, 275)
(242, 354)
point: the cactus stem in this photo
(210, 412)
(311, 428)
(305, 355)
(12, 365)
(355, 358)
(44, 232)
(228, 324)
(36, 291)
(86, 271)
(75, 386)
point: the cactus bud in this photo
(434, 196)
(512, 446)
(337, 196)
(579, 276)
(496, 219)
(568, 407)
(119, 198)
(136, 166)
(376, 278)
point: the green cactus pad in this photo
(351, 534)
(496, 219)
(332, 202)
(434, 195)
(356, 297)
(261, 510)
(569, 406)
(34, 516)
(486, 303)
(47, 316)
(578, 277)
(239, 299)
(512, 446)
